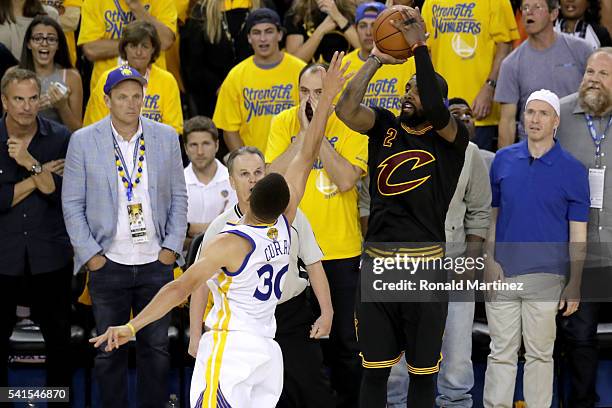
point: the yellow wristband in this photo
(129, 325)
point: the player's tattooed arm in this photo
(349, 109)
(225, 250)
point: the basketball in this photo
(387, 38)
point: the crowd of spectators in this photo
(239, 79)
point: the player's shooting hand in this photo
(570, 297)
(114, 337)
(412, 26)
(336, 76)
(322, 326)
(386, 58)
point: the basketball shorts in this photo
(236, 369)
(385, 330)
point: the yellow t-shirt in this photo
(388, 83)
(162, 102)
(333, 215)
(70, 39)
(250, 96)
(462, 38)
(103, 20)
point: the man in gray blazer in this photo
(125, 207)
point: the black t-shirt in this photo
(331, 42)
(414, 175)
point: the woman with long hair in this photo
(213, 41)
(318, 28)
(15, 17)
(46, 53)
(581, 18)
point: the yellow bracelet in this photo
(129, 325)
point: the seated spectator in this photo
(103, 22)
(580, 18)
(212, 29)
(15, 17)
(69, 17)
(140, 47)
(316, 29)
(45, 52)
(209, 192)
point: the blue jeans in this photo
(456, 376)
(115, 291)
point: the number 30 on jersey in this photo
(269, 282)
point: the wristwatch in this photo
(491, 82)
(36, 169)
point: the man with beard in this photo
(425, 144)
(586, 120)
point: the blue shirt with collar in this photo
(33, 229)
(537, 198)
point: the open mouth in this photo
(264, 47)
(529, 21)
(407, 106)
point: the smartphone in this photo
(62, 88)
(309, 112)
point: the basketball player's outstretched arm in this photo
(413, 28)
(225, 250)
(350, 108)
(301, 164)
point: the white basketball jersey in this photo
(245, 299)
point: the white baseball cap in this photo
(547, 96)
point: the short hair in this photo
(17, 75)
(200, 124)
(314, 66)
(552, 4)
(241, 152)
(269, 197)
(135, 33)
(458, 101)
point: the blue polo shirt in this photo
(537, 198)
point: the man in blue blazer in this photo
(125, 208)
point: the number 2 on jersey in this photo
(270, 282)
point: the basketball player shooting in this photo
(414, 161)
(238, 363)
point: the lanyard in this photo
(597, 139)
(127, 178)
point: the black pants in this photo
(341, 352)
(305, 385)
(579, 335)
(49, 294)
(115, 291)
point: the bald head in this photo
(595, 94)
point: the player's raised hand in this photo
(114, 337)
(386, 58)
(412, 26)
(336, 76)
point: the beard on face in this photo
(413, 119)
(595, 101)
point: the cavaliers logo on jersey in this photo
(273, 234)
(401, 160)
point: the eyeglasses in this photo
(536, 8)
(50, 39)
